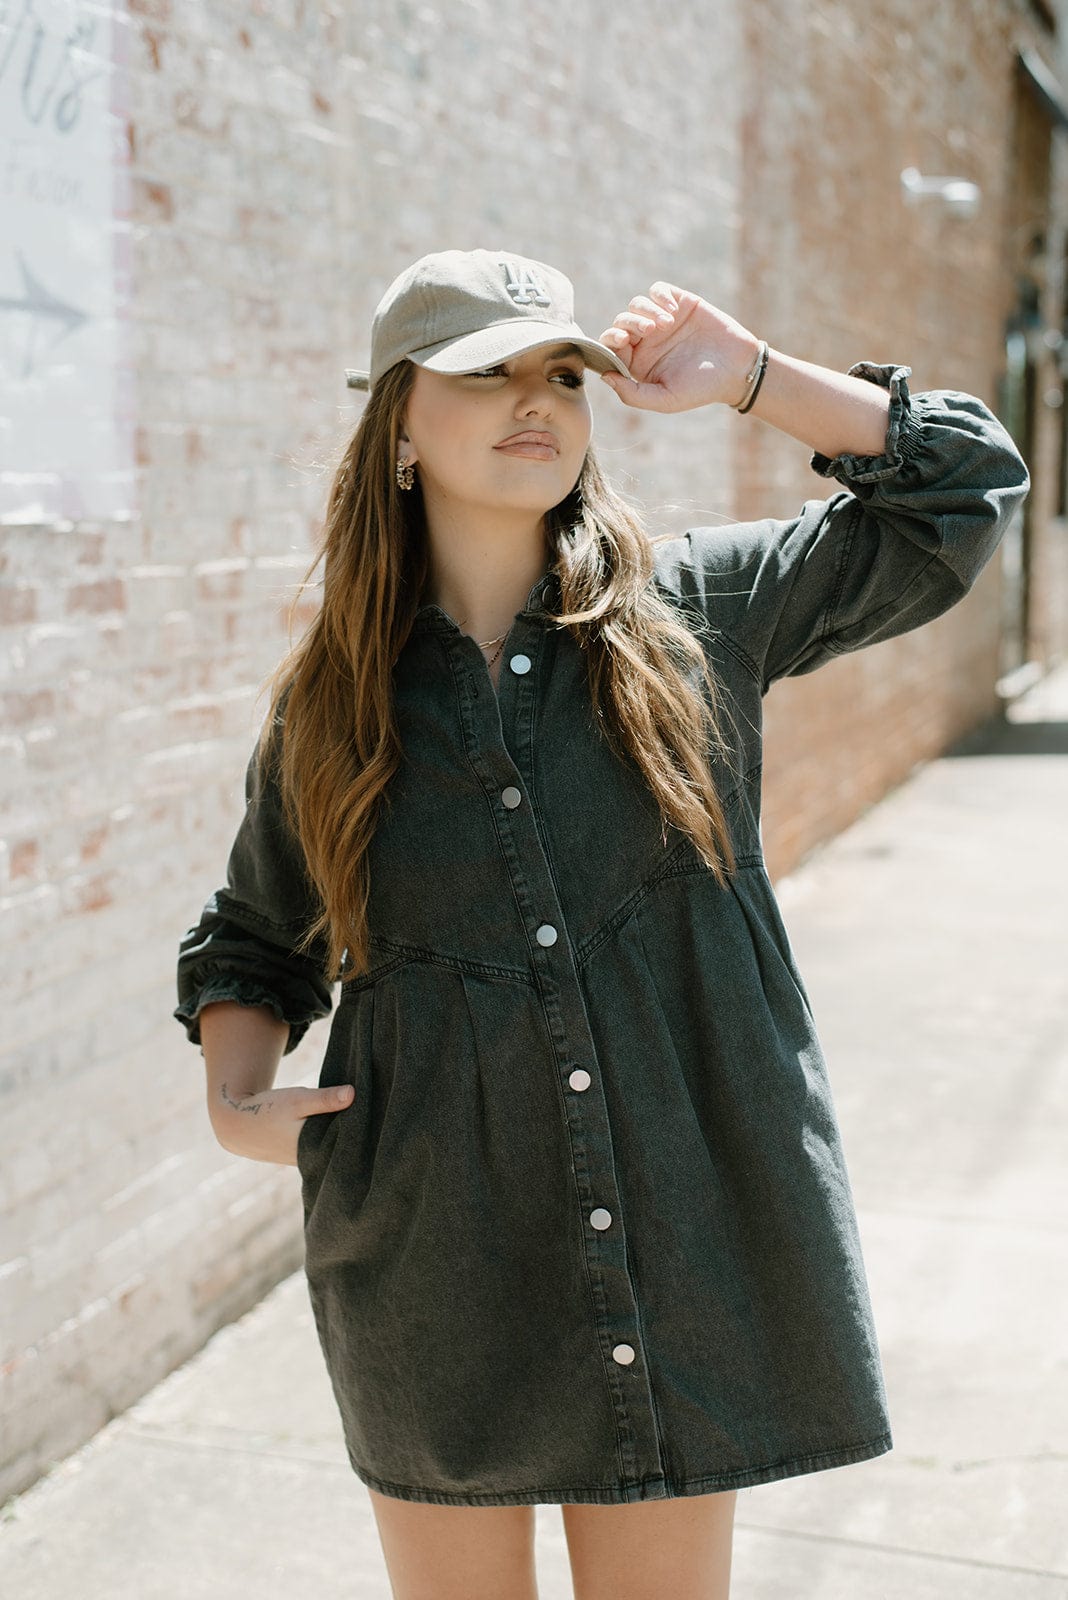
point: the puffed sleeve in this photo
(242, 948)
(903, 541)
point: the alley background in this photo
(200, 205)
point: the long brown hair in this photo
(332, 694)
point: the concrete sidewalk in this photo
(933, 937)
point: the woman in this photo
(578, 1224)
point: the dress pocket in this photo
(315, 1145)
(333, 1156)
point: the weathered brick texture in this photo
(284, 162)
(835, 266)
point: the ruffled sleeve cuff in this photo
(903, 431)
(221, 959)
(245, 992)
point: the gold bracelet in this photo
(753, 379)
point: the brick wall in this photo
(283, 162)
(836, 267)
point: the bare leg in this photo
(437, 1552)
(651, 1549)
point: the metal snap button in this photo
(600, 1218)
(579, 1079)
(520, 664)
(511, 797)
(546, 934)
(624, 1354)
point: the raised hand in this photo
(682, 351)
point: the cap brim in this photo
(489, 345)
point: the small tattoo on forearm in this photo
(237, 1104)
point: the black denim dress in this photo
(585, 1233)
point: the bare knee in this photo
(435, 1552)
(651, 1548)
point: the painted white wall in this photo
(65, 409)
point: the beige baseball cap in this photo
(459, 310)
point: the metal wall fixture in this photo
(959, 196)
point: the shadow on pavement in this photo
(1001, 737)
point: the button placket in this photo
(617, 1315)
(600, 1219)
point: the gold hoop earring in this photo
(405, 473)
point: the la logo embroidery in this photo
(523, 286)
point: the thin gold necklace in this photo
(500, 646)
(501, 637)
(498, 640)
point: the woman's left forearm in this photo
(829, 411)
